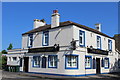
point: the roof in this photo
(63, 24)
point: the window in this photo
(110, 45)
(36, 61)
(82, 38)
(14, 58)
(98, 42)
(118, 63)
(45, 38)
(94, 63)
(52, 61)
(106, 61)
(102, 61)
(9, 58)
(30, 40)
(88, 62)
(71, 62)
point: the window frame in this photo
(43, 38)
(83, 38)
(94, 63)
(109, 45)
(66, 67)
(90, 62)
(100, 47)
(33, 62)
(118, 63)
(14, 59)
(54, 61)
(30, 40)
(102, 62)
(107, 63)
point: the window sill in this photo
(71, 68)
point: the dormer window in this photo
(45, 40)
(82, 38)
(98, 42)
(110, 45)
(30, 40)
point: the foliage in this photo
(4, 60)
(10, 46)
(4, 52)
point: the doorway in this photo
(97, 65)
(26, 63)
(43, 62)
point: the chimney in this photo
(38, 23)
(55, 19)
(98, 27)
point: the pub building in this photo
(64, 49)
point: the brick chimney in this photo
(55, 19)
(98, 27)
(38, 23)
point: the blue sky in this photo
(17, 17)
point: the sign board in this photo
(97, 51)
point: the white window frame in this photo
(82, 36)
(45, 36)
(106, 63)
(88, 62)
(98, 42)
(36, 61)
(52, 61)
(30, 40)
(71, 61)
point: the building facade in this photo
(64, 49)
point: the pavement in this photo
(29, 76)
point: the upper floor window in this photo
(82, 38)
(36, 61)
(52, 61)
(71, 61)
(45, 40)
(110, 45)
(30, 40)
(98, 42)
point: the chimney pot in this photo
(55, 11)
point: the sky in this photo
(17, 17)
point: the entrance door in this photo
(97, 65)
(44, 62)
(26, 63)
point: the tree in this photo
(10, 46)
(4, 60)
(4, 52)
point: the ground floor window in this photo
(88, 62)
(36, 61)
(71, 61)
(52, 61)
(102, 62)
(94, 63)
(106, 61)
(119, 63)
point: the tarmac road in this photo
(18, 76)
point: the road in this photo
(18, 76)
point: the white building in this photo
(65, 49)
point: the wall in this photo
(62, 36)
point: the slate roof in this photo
(63, 24)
